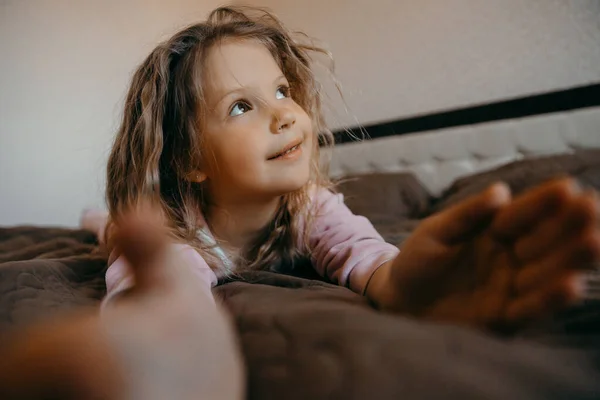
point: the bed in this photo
(304, 338)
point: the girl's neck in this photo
(239, 223)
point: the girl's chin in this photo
(290, 185)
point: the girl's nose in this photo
(283, 119)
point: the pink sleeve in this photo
(119, 276)
(345, 247)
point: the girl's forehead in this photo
(234, 64)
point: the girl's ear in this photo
(197, 176)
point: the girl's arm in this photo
(345, 247)
(119, 276)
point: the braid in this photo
(277, 244)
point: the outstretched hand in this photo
(553, 233)
(493, 262)
(165, 339)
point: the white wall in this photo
(400, 58)
(64, 69)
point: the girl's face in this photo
(259, 139)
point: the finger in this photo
(494, 296)
(469, 217)
(528, 209)
(145, 210)
(580, 253)
(581, 214)
(554, 296)
(143, 242)
(64, 357)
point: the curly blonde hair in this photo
(160, 139)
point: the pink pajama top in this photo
(345, 248)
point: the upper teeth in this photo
(290, 149)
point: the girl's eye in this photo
(239, 108)
(282, 92)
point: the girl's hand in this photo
(164, 340)
(494, 263)
(553, 234)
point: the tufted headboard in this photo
(440, 156)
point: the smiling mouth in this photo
(286, 151)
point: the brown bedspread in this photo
(306, 339)
(47, 270)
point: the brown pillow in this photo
(583, 165)
(384, 197)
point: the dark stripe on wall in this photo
(563, 100)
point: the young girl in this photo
(223, 132)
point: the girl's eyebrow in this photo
(241, 89)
